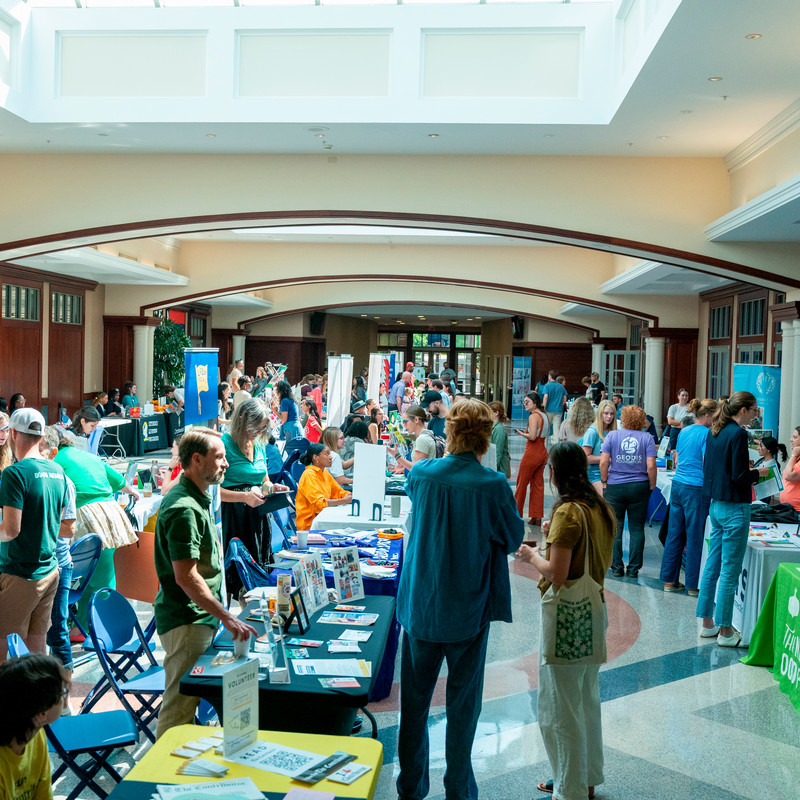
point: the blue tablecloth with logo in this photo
(145, 434)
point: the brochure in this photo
(351, 667)
(231, 789)
(340, 683)
(345, 618)
(347, 581)
(309, 576)
(355, 636)
(770, 484)
(350, 773)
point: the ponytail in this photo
(728, 409)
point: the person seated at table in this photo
(32, 688)
(113, 406)
(129, 398)
(84, 422)
(172, 472)
(770, 452)
(356, 432)
(317, 488)
(17, 401)
(313, 428)
(415, 422)
(97, 512)
(376, 424)
(243, 393)
(334, 439)
(791, 473)
(99, 403)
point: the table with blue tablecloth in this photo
(392, 550)
(143, 434)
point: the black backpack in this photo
(781, 512)
(439, 441)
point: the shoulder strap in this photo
(586, 532)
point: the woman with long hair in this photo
(569, 695)
(688, 508)
(114, 407)
(245, 484)
(359, 392)
(628, 475)
(313, 429)
(424, 445)
(499, 437)
(333, 438)
(129, 397)
(791, 473)
(16, 401)
(592, 440)
(224, 403)
(317, 488)
(728, 481)
(581, 415)
(6, 458)
(356, 432)
(534, 459)
(675, 414)
(287, 411)
(99, 403)
(376, 417)
(770, 451)
(85, 422)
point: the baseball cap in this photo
(358, 405)
(410, 365)
(431, 396)
(27, 420)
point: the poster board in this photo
(369, 478)
(340, 384)
(376, 376)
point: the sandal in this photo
(547, 786)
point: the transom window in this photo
(67, 309)
(20, 302)
(720, 323)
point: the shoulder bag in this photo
(574, 619)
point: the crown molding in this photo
(769, 135)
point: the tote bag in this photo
(573, 619)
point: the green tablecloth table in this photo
(776, 639)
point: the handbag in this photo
(574, 619)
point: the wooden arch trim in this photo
(378, 277)
(594, 332)
(565, 236)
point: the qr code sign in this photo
(244, 717)
(289, 762)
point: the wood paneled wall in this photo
(573, 361)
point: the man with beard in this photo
(187, 558)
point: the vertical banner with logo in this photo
(764, 381)
(520, 385)
(200, 392)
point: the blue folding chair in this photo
(112, 624)
(85, 554)
(250, 572)
(296, 471)
(297, 445)
(287, 465)
(94, 735)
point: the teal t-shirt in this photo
(94, 480)
(592, 439)
(241, 471)
(130, 400)
(37, 487)
(184, 530)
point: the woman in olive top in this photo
(6, 459)
(500, 438)
(98, 511)
(129, 398)
(245, 485)
(317, 488)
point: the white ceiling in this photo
(410, 313)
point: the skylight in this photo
(242, 3)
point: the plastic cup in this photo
(302, 540)
(241, 647)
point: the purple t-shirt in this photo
(629, 451)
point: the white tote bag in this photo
(573, 619)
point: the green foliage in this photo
(170, 339)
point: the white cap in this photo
(27, 420)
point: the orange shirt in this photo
(315, 488)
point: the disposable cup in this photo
(302, 540)
(241, 647)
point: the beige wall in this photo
(93, 341)
(775, 165)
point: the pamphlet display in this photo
(347, 581)
(770, 484)
(240, 706)
(309, 576)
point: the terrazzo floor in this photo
(682, 718)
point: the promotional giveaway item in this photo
(347, 581)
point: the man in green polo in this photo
(189, 603)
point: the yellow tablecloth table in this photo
(158, 766)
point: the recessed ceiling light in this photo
(211, 136)
(320, 135)
(454, 322)
(548, 136)
(687, 111)
(753, 36)
(478, 317)
(715, 79)
(363, 315)
(663, 138)
(433, 135)
(469, 319)
(102, 134)
(318, 129)
(376, 317)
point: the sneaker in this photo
(708, 633)
(618, 573)
(633, 573)
(693, 592)
(734, 640)
(674, 587)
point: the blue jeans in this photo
(419, 670)
(291, 430)
(730, 523)
(631, 498)
(687, 519)
(58, 635)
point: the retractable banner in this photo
(376, 376)
(764, 381)
(340, 381)
(200, 392)
(520, 385)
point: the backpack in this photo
(439, 441)
(781, 512)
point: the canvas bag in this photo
(573, 619)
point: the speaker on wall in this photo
(316, 323)
(517, 327)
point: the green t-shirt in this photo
(37, 487)
(241, 471)
(185, 529)
(94, 480)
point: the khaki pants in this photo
(183, 646)
(555, 422)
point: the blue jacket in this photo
(464, 524)
(726, 467)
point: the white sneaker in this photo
(734, 640)
(708, 633)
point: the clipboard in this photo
(276, 501)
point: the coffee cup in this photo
(241, 647)
(302, 540)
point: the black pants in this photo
(630, 498)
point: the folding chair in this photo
(95, 735)
(297, 445)
(296, 471)
(85, 555)
(112, 625)
(250, 572)
(287, 465)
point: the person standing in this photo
(445, 604)
(531, 467)
(432, 403)
(499, 437)
(397, 391)
(628, 475)
(553, 402)
(728, 481)
(596, 388)
(188, 605)
(33, 494)
(675, 414)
